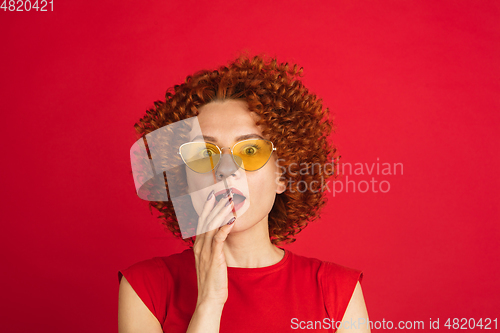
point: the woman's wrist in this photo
(206, 318)
(214, 307)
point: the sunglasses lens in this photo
(252, 154)
(200, 156)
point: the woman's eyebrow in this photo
(240, 138)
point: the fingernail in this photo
(228, 202)
(210, 195)
(231, 221)
(227, 193)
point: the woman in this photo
(262, 144)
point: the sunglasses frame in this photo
(232, 155)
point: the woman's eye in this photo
(250, 150)
(207, 152)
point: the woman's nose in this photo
(226, 167)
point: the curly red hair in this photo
(292, 118)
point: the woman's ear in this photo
(281, 186)
(280, 178)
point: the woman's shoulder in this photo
(160, 266)
(181, 261)
(326, 269)
(336, 281)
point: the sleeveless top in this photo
(289, 295)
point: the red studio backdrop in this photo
(413, 85)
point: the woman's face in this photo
(225, 123)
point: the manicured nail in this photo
(231, 221)
(227, 193)
(210, 195)
(228, 202)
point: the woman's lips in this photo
(238, 201)
(238, 197)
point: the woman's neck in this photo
(252, 248)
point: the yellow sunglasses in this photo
(250, 155)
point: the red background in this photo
(412, 82)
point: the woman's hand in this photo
(211, 267)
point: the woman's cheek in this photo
(195, 192)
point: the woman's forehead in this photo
(229, 110)
(227, 120)
(215, 139)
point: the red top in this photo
(278, 298)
